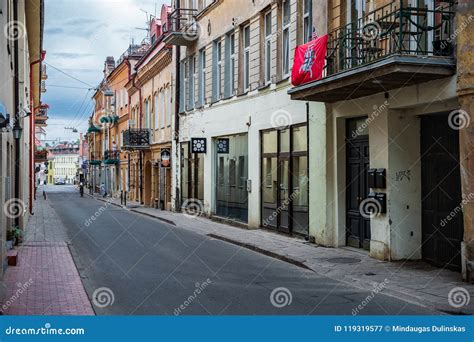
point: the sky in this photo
(78, 36)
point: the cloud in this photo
(78, 36)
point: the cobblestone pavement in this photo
(412, 281)
(45, 280)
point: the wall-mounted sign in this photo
(198, 145)
(223, 145)
(165, 157)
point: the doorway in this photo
(357, 190)
(284, 185)
(441, 193)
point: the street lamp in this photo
(17, 130)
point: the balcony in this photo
(182, 28)
(136, 139)
(41, 156)
(95, 158)
(111, 157)
(392, 47)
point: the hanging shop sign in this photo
(223, 145)
(165, 157)
(198, 145)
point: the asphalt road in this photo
(150, 267)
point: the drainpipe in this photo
(32, 132)
(17, 108)
(176, 119)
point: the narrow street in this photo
(150, 267)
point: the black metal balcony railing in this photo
(136, 138)
(41, 156)
(182, 27)
(95, 158)
(111, 157)
(389, 30)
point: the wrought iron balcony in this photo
(95, 158)
(41, 156)
(182, 29)
(112, 157)
(136, 139)
(391, 47)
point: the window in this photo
(195, 78)
(162, 109)
(190, 84)
(229, 65)
(168, 106)
(246, 37)
(202, 77)
(184, 93)
(307, 20)
(219, 69)
(147, 115)
(286, 37)
(268, 47)
(155, 106)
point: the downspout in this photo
(140, 152)
(17, 113)
(128, 113)
(176, 118)
(32, 132)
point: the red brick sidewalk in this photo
(45, 282)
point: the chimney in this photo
(109, 65)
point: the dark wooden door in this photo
(441, 193)
(358, 226)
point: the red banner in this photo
(309, 61)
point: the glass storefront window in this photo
(269, 141)
(284, 140)
(284, 182)
(300, 139)
(232, 175)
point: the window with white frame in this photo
(232, 63)
(308, 20)
(246, 38)
(147, 114)
(219, 70)
(195, 78)
(286, 22)
(268, 47)
(202, 78)
(185, 82)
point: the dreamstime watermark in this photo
(376, 290)
(459, 119)
(18, 293)
(461, 27)
(200, 287)
(458, 297)
(192, 207)
(266, 222)
(14, 30)
(457, 210)
(281, 297)
(14, 208)
(90, 220)
(103, 297)
(46, 330)
(370, 208)
(370, 31)
(377, 110)
(281, 119)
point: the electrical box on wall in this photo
(380, 179)
(382, 200)
(371, 178)
(249, 185)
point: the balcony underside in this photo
(383, 75)
(181, 38)
(135, 148)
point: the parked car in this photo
(59, 182)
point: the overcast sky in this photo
(78, 36)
